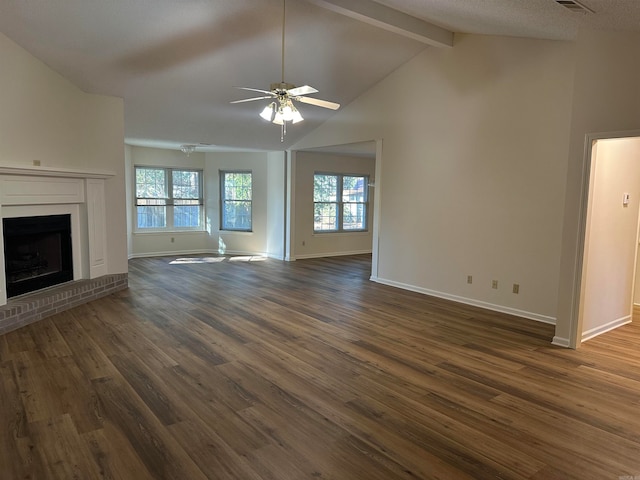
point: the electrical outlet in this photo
(494, 284)
(469, 279)
(516, 288)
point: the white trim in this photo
(53, 172)
(234, 232)
(165, 233)
(330, 254)
(468, 301)
(377, 203)
(561, 342)
(575, 313)
(341, 233)
(594, 332)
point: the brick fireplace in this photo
(29, 194)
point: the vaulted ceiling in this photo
(176, 63)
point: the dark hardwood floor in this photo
(270, 370)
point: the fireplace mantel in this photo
(43, 171)
(36, 190)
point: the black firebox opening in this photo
(37, 252)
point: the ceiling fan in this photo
(282, 109)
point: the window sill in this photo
(235, 232)
(358, 233)
(169, 232)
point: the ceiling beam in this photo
(390, 19)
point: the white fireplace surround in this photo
(34, 191)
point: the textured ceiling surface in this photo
(176, 63)
(543, 19)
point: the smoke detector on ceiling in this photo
(574, 6)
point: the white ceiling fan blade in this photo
(319, 103)
(256, 90)
(250, 99)
(303, 90)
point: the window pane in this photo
(354, 216)
(325, 188)
(325, 216)
(186, 216)
(186, 184)
(237, 186)
(353, 189)
(151, 183)
(237, 215)
(150, 215)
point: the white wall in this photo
(276, 199)
(327, 244)
(612, 230)
(44, 117)
(169, 242)
(130, 196)
(606, 98)
(267, 237)
(254, 242)
(473, 169)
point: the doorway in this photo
(611, 237)
(361, 159)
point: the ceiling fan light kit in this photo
(188, 149)
(282, 109)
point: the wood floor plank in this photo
(212, 453)
(229, 369)
(113, 456)
(89, 356)
(64, 454)
(17, 460)
(159, 451)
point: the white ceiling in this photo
(175, 63)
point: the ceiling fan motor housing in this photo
(281, 87)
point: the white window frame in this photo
(223, 200)
(169, 200)
(340, 203)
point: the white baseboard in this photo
(594, 332)
(560, 342)
(468, 301)
(328, 254)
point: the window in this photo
(235, 192)
(168, 198)
(339, 202)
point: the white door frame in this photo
(575, 338)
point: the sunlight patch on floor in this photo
(180, 261)
(240, 258)
(247, 258)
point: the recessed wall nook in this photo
(76, 272)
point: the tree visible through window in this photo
(236, 199)
(168, 198)
(339, 202)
